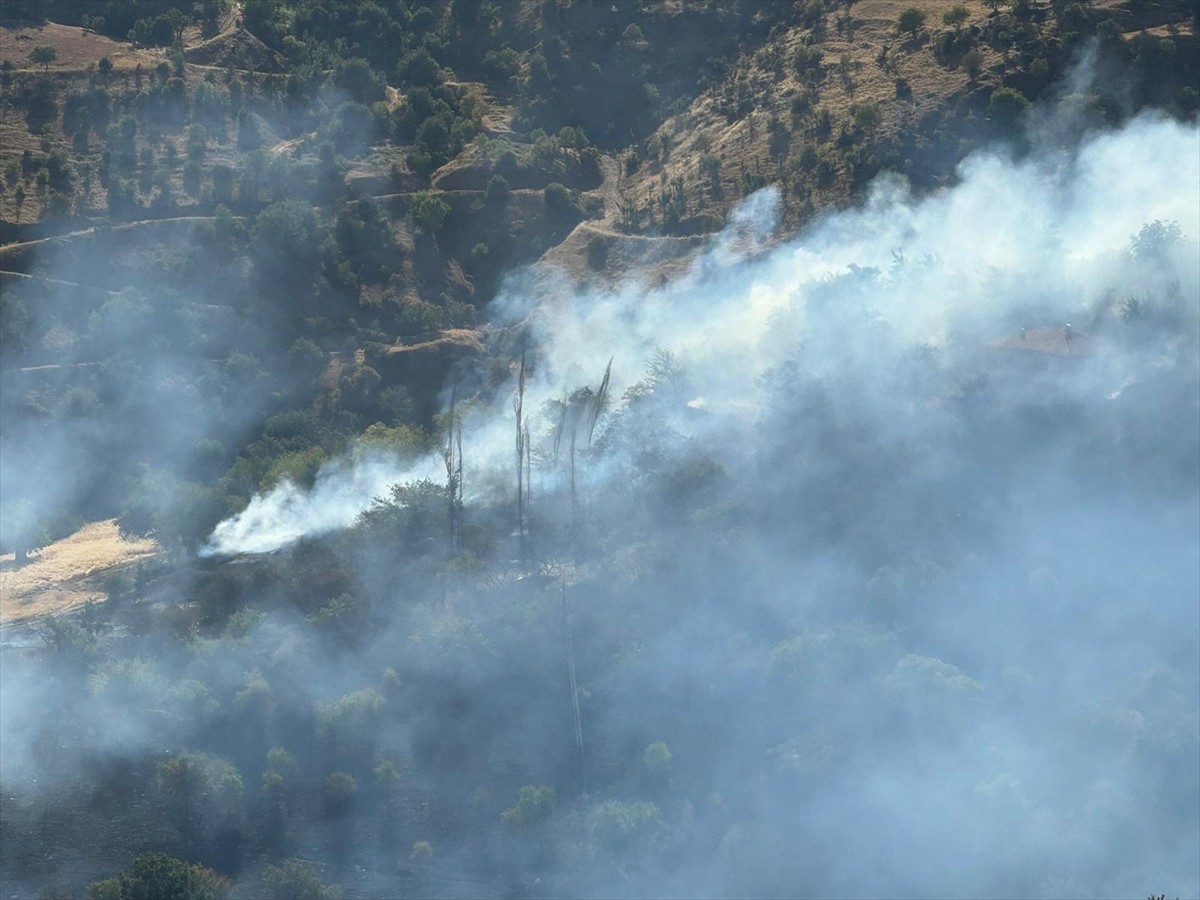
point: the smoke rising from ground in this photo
(1045, 237)
(343, 489)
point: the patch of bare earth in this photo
(67, 574)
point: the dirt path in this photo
(68, 573)
(25, 245)
(25, 277)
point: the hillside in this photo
(571, 448)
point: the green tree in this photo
(222, 184)
(558, 200)
(25, 529)
(178, 514)
(866, 117)
(1006, 105)
(357, 79)
(626, 829)
(1155, 241)
(429, 211)
(338, 794)
(779, 144)
(955, 17)
(419, 69)
(196, 781)
(911, 21)
(284, 245)
(156, 876)
(497, 190)
(298, 880)
(534, 805)
(657, 757)
(350, 728)
(42, 55)
(972, 63)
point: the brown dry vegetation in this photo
(863, 58)
(468, 338)
(655, 259)
(76, 48)
(742, 144)
(69, 573)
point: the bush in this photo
(597, 253)
(42, 55)
(298, 879)
(419, 69)
(156, 875)
(357, 79)
(534, 805)
(972, 63)
(559, 201)
(911, 21)
(497, 190)
(503, 65)
(955, 17)
(625, 829)
(429, 212)
(338, 794)
(1006, 105)
(657, 757)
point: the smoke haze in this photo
(878, 576)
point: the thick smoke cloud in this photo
(1042, 241)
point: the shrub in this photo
(497, 190)
(534, 806)
(299, 879)
(159, 875)
(1006, 105)
(429, 212)
(338, 794)
(911, 21)
(955, 17)
(972, 63)
(657, 757)
(558, 200)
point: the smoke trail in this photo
(343, 488)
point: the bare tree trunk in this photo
(522, 450)
(574, 689)
(452, 455)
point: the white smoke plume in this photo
(1050, 231)
(343, 488)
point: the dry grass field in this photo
(68, 573)
(76, 48)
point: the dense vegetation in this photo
(249, 248)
